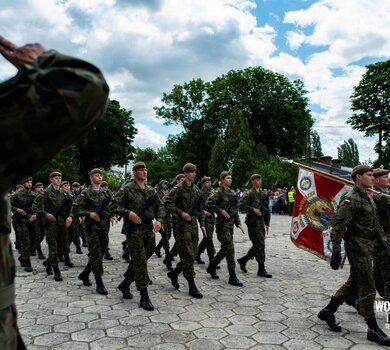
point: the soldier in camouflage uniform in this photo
(106, 250)
(227, 217)
(65, 97)
(255, 204)
(166, 231)
(92, 203)
(39, 231)
(356, 220)
(184, 201)
(21, 206)
(207, 241)
(74, 228)
(139, 229)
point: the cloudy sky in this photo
(144, 47)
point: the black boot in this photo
(198, 259)
(32, 252)
(126, 256)
(375, 334)
(78, 249)
(168, 263)
(212, 271)
(40, 254)
(57, 274)
(193, 291)
(354, 302)
(107, 255)
(233, 280)
(124, 287)
(173, 275)
(100, 286)
(84, 276)
(145, 302)
(262, 272)
(157, 250)
(327, 315)
(47, 266)
(67, 260)
(28, 267)
(242, 262)
(84, 243)
(61, 258)
(22, 261)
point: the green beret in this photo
(64, 183)
(224, 174)
(189, 167)
(54, 174)
(38, 184)
(76, 184)
(378, 172)
(360, 169)
(104, 183)
(95, 171)
(255, 176)
(179, 176)
(26, 179)
(139, 165)
(162, 183)
(204, 179)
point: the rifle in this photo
(193, 209)
(142, 210)
(104, 214)
(61, 209)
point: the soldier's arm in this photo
(211, 203)
(159, 211)
(118, 202)
(343, 217)
(244, 203)
(79, 206)
(37, 205)
(170, 202)
(265, 210)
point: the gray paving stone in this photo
(134, 321)
(333, 341)
(175, 336)
(71, 346)
(269, 326)
(51, 339)
(88, 335)
(270, 338)
(208, 344)
(103, 324)
(185, 325)
(169, 346)
(237, 342)
(69, 327)
(210, 333)
(108, 343)
(140, 341)
(52, 320)
(296, 344)
(154, 328)
(240, 319)
(83, 317)
(213, 322)
(34, 330)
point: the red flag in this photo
(317, 197)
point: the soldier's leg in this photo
(379, 271)
(64, 244)
(167, 236)
(209, 242)
(231, 263)
(17, 234)
(138, 259)
(51, 241)
(223, 236)
(38, 239)
(106, 250)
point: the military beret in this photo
(95, 171)
(64, 183)
(189, 167)
(360, 169)
(27, 178)
(224, 174)
(162, 183)
(204, 179)
(55, 173)
(104, 183)
(179, 176)
(38, 184)
(76, 184)
(378, 172)
(255, 176)
(19, 187)
(139, 165)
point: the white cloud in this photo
(146, 137)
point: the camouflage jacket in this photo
(22, 200)
(131, 198)
(382, 201)
(206, 194)
(356, 220)
(255, 199)
(55, 202)
(219, 201)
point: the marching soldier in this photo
(255, 204)
(39, 231)
(356, 219)
(139, 230)
(106, 250)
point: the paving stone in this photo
(51, 339)
(108, 343)
(34, 330)
(83, 317)
(69, 327)
(169, 346)
(269, 326)
(88, 335)
(208, 344)
(333, 341)
(52, 320)
(215, 322)
(122, 331)
(154, 328)
(296, 344)
(143, 342)
(270, 338)
(134, 321)
(210, 333)
(175, 336)
(71, 346)
(237, 342)
(185, 325)
(103, 324)
(239, 319)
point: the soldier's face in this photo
(27, 185)
(141, 174)
(56, 180)
(383, 181)
(96, 178)
(207, 184)
(39, 189)
(227, 181)
(366, 180)
(190, 176)
(256, 183)
(66, 187)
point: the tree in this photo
(110, 142)
(371, 105)
(243, 164)
(217, 162)
(348, 153)
(315, 145)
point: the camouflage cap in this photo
(189, 167)
(64, 183)
(76, 184)
(378, 172)
(204, 179)
(26, 179)
(38, 184)
(54, 174)
(18, 187)
(179, 176)
(95, 171)
(224, 174)
(255, 176)
(104, 183)
(162, 183)
(139, 165)
(360, 169)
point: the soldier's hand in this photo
(134, 217)
(186, 216)
(257, 212)
(68, 221)
(206, 213)
(204, 231)
(21, 211)
(225, 214)
(94, 216)
(335, 260)
(114, 220)
(19, 55)
(157, 226)
(33, 218)
(81, 219)
(51, 217)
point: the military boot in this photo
(242, 262)
(157, 250)
(198, 259)
(168, 263)
(100, 286)
(193, 291)
(78, 249)
(67, 260)
(126, 256)
(233, 280)
(375, 334)
(107, 255)
(47, 266)
(40, 254)
(262, 272)
(32, 252)
(84, 276)
(57, 273)
(173, 276)
(145, 302)
(327, 315)
(124, 287)
(22, 261)
(28, 267)
(84, 243)
(212, 271)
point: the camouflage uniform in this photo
(166, 232)
(46, 107)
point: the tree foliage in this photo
(348, 153)
(217, 162)
(315, 145)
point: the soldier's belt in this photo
(7, 296)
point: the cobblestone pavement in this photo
(277, 313)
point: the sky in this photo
(144, 47)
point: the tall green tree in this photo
(217, 162)
(243, 164)
(348, 153)
(371, 105)
(315, 144)
(110, 142)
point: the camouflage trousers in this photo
(74, 232)
(57, 240)
(207, 242)
(39, 233)
(187, 239)
(256, 234)
(9, 333)
(107, 231)
(360, 280)
(25, 230)
(97, 241)
(17, 235)
(381, 271)
(225, 237)
(166, 235)
(141, 243)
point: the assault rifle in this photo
(103, 214)
(193, 208)
(62, 209)
(143, 211)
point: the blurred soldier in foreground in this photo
(65, 97)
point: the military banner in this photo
(317, 197)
